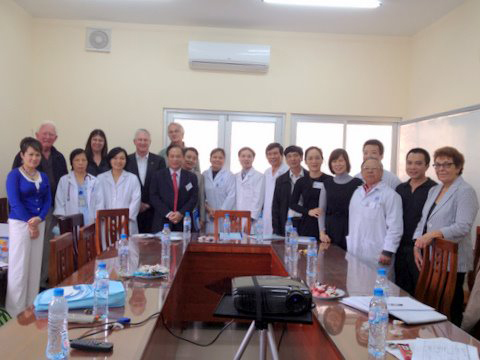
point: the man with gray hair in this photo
(143, 163)
(175, 134)
(375, 218)
(54, 165)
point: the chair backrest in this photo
(476, 257)
(3, 210)
(87, 249)
(436, 283)
(72, 223)
(109, 225)
(61, 258)
(240, 221)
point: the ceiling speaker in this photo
(98, 40)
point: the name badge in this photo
(318, 185)
(188, 186)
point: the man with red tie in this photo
(173, 191)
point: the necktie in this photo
(175, 190)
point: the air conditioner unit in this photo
(228, 56)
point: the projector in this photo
(278, 295)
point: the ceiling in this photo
(394, 17)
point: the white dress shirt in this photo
(142, 162)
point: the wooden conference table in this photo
(199, 274)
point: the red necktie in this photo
(175, 191)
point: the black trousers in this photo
(406, 272)
(456, 310)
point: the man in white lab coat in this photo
(375, 218)
(274, 154)
(249, 185)
(373, 148)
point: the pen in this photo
(395, 304)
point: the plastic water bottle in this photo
(123, 254)
(378, 323)
(288, 227)
(100, 298)
(187, 226)
(293, 242)
(259, 229)
(227, 227)
(312, 257)
(58, 345)
(382, 281)
(165, 244)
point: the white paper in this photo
(443, 349)
(4, 230)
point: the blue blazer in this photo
(161, 197)
(454, 216)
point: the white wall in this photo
(446, 63)
(15, 82)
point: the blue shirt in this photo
(26, 201)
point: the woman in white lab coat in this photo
(249, 185)
(76, 190)
(219, 187)
(120, 189)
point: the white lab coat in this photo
(219, 193)
(375, 223)
(66, 198)
(270, 180)
(126, 193)
(250, 192)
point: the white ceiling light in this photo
(369, 4)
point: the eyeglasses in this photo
(446, 165)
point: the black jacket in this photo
(281, 200)
(59, 168)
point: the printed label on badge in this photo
(188, 186)
(318, 185)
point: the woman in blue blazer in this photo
(449, 213)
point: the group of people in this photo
(371, 215)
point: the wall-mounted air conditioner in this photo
(228, 56)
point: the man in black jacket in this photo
(54, 165)
(144, 164)
(283, 190)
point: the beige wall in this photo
(147, 71)
(446, 63)
(15, 82)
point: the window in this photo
(331, 132)
(231, 131)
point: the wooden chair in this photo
(476, 257)
(61, 259)
(3, 210)
(110, 224)
(436, 283)
(72, 223)
(87, 249)
(236, 219)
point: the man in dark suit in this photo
(173, 191)
(144, 164)
(283, 190)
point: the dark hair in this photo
(190, 149)
(114, 152)
(173, 146)
(375, 142)
(313, 148)
(217, 150)
(246, 148)
(274, 145)
(293, 148)
(74, 153)
(456, 156)
(88, 145)
(424, 152)
(335, 155)
(30, 142)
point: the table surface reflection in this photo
(26, 336)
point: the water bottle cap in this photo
(289, 218)
(312, 239)
(382, 271)
(102, 266)
(58, 292)
(124, 236)
(166, 226)
(227, 216)
(187, 213)
(378, 292)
